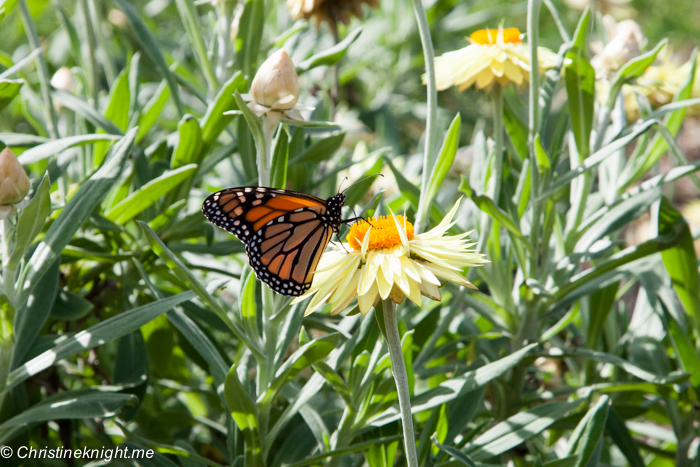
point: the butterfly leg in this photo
(341, 243)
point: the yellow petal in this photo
(366, 301)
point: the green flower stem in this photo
(41, 67)
(7, 344)
(266, 366)
(265, 152)
(223, 41)
(398, 368)
(498, 128)
(533, 33)
(344, 435)
(91, 60)
(8, 274)
(429, 153)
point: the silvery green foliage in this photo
(123, 309)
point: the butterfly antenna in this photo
(362, 180)
(341, 184)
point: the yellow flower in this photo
(330, 11)
(384, 259)
(494, 56)
(659, 84)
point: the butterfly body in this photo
(284, 232)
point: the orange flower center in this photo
(489, 36)
(384, 233)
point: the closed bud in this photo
(276, 84)
(14, 183)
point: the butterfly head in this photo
(335, 206)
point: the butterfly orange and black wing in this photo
(284, 232)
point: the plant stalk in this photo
(265, 152)
(498, 128)
(223, 41)
(9, 274)
(429, 153)
(533, 19)
(42, 69)
(90, 60)
(398, 368)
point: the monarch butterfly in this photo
(284, 232)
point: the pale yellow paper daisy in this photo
(494, 56)
(384, 259)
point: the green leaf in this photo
(588, 434)
(579, 77)
(9, 88)
(621, 436)
(80, 206)
(192, 332)
(680, 260)
(72, 405)
(408, 189)
(153, 109)
(517, 429)
(99, 334)
(358, 447)
(305, 356)
(334, 380)
(52, 148)
(616, 218)
(633, 69)
(310, 124)
(33, 316)
(85, 110)
(214, 121)
(445, 158)
(487, 205)
(117, 112)
(189, 17)
(152, 49)
(249, 315)
(601, 304)
(250, 32)
(517, 131)
(70, 307)
(6, 7)
(31, 221)
(189, 143)
(634, 370)
(637, 168)
(321, 150)
(597, 157)
(148, 194)
(280, 157)
(685, 351)
(331, 56)
(252, 120)
(245, 414)
(21, 140)
(132, 368)
(457, 386)
(185, 275)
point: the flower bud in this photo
(63, 79)
(626, 38)
(14, 183)
(276, 84)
